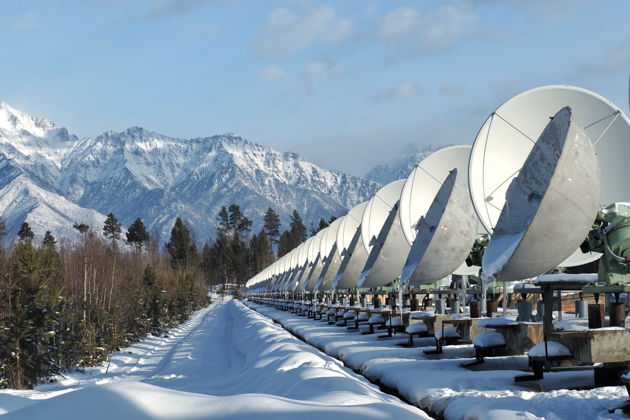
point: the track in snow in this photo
(227, 361)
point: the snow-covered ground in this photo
(226, 362)
(438, 383)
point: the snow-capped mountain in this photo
(400, 165)
(60, 179)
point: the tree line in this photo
(63, 307)
(236, 254)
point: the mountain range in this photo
(400, 165)
(52, 179)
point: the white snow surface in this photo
(554, 349)
(417, 327)
(449, 332)
(226, 362)
(438, 383)
(489, 339)
(572, 324)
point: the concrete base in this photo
(605, 345)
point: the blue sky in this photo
(345, 83)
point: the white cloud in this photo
(403, 91)
(272, 74)
(407, 31)
(316, 68)
(286, 31)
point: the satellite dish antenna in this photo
(288, 270)
(421, 187)
(314, 267)
(509, 134)
(350, 248)
(445, 235)
(377, 223)
(298, 266)
(550, 206)
(301, 271)
(331, 259)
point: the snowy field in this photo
(226, 362)
(438, 383)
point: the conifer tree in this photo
(112, 228)
(180, 246)
(239, 224)
(322, 225)
(25, 233)
(3, 228)
(272, 225)
(156, 311)
(25, 342)
(81, 227)
(137, 234)
(223, 218)
(49, 240)
(298, 230)
(285, 244)
(261, 251)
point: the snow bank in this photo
(417, 327)
(376, 319)
(227, 363)
(440, 385)
(575, 324)
(448, 332)
(554, 349)
(417, 315)
(489, 339)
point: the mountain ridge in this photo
(141, 173)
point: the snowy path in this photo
(441, 386)
(226, 362)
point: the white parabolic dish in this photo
(508, 135)
(350, 248)
(424, 182)
(445, 237)
(550, 205)
(378, 228)
(330, 256)
(314, 262)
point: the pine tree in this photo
(316, 229)
(49, 240)
(137, 234)
(156, 311)
(180, 246)
(272, 225)
(239, 224)
(112, 228)
(25, 233)
(285, 244)
(26, 348)
(81, 227)
(298, 230)
(3, 228)
(261, 251)
(223, 218)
